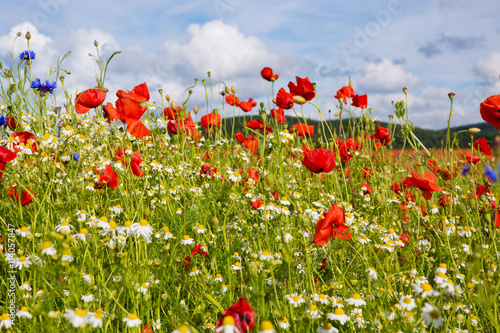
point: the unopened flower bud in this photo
(263, 115)
(173, 105)
(405, 90)
(233, 89)
(337, 114)
(96, 44)
(195, 109)
(19, 34)
(61, 78)
(209, 74)
(274, 100)
(350, 83)
(227, 90)
(451, 95)
(28, 35)
(167, 97)
(160, 91)
(299, 99)
(474, 130)
(215, 111)
(262, 105)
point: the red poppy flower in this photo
(140, 93)
(25, 138)
(109, 178)
(5, 156)
(331, 226)
(171, 114)
(382, 134)
(259, 124)
(248, 105)
(284, 100)
(211, 120)
(474, 158)
(257, 203)
(232, 99)
(240, 137)
(490, 111)
(303, 88)
(89, 99)
(207, 170)
(26, 196)
(200, 249)
(426, 183)
(243, 316)
(129, 111)
(134, 161)
(11, 122)
(319, 160)
(267, 74)
(304, 130)
(147, 328)
(347, 149)
(437, 169)
(360, 101)
(345, 92)
(251, 143)
(279, 115)
(482, 145)
(253, 174)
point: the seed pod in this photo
(472, 203)
(215, 220)
(270, 179)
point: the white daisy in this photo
(132, 320)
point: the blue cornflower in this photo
(465, 170)
(3, 121)
(43, 88)
(25, 55)
(75, 157)
(490, 173)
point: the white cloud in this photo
(386, 77)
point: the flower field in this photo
(133, 216)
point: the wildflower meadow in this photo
(136, 216)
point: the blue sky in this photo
(431, 47)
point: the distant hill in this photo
(430, 138)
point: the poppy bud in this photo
(482, 197)
(270, 179)
(96, 44)
(28, 35)
(299, 99)
(215, 220)
(195, 109)
(167, 97)
(488, 217)
(472, 203)
(215, 111)
(190, 91)
(173, 105)
(160, 91)
(233, 89)
(209, 74)
(227, 90)
(341, 100)
(19, 34)
(337, 114)
(405, 90)
(263, 116)
(441, 225)
(474, 130)
(451, 95)
(262, 105)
